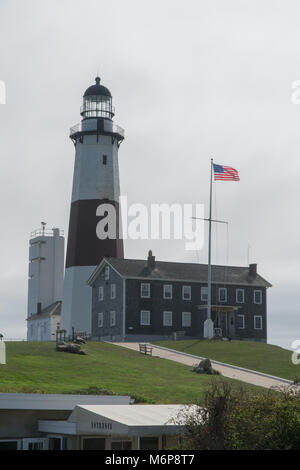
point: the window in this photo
(258, 297)
(149, 443)
(145, 290)
(113, 291)
(204, 293)
(35, 446)
(240, 296)
(104, 159)
(93, 443)
(167, 291)
(240, 321)
(186, 319)
(222, 294)
(167, 319)
(186, 293)
(100, 293)
(112, 318)
(121, 445)
(145, 317)
(100, 320)
(106, 273)
(257, 322)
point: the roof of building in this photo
(188, 272)
(44, 401)
(97, 89)
(120, 420)
(50, 311)
(132, 415)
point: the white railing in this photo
(45, 233)
(108, 127)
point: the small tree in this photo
(236, 419)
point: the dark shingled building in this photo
(147, 300)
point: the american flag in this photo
(226, 173)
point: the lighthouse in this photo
(95, 184)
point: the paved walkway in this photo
(233, 372)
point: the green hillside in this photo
(262, 357)
(37, 367)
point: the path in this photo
(227, 370)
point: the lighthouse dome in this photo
(97, 102)
(97, 89)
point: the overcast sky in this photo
(190, 80)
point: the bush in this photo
(236, 419)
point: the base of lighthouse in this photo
(77, 300)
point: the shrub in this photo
(236, 419)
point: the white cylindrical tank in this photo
(46, 272)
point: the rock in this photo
(205, 364)
(83, 351)
(73, 348)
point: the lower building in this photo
(148, 300)
(85, 422)
(42, 326)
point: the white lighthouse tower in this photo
(95, 182)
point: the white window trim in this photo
(190, 317)
(167, 324)
(189, 290)
(100, 297)
(100, 323)
(261, 322)
(257, 303)
(204, 294)
(236, 296)
(112, 316)
(106, 273)
(219, 292)
(149, 294)
(243, 318)
(164, 293)
(141, 316)
(113, 291)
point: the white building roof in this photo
(131, 415)
(36, 401)
(119, 420)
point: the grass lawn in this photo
(257, 356)
(37, 367)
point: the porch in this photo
(224, 318)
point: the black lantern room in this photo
(97, 102)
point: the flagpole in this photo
(209, 246)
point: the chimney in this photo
(253, 270)
(151, 260)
